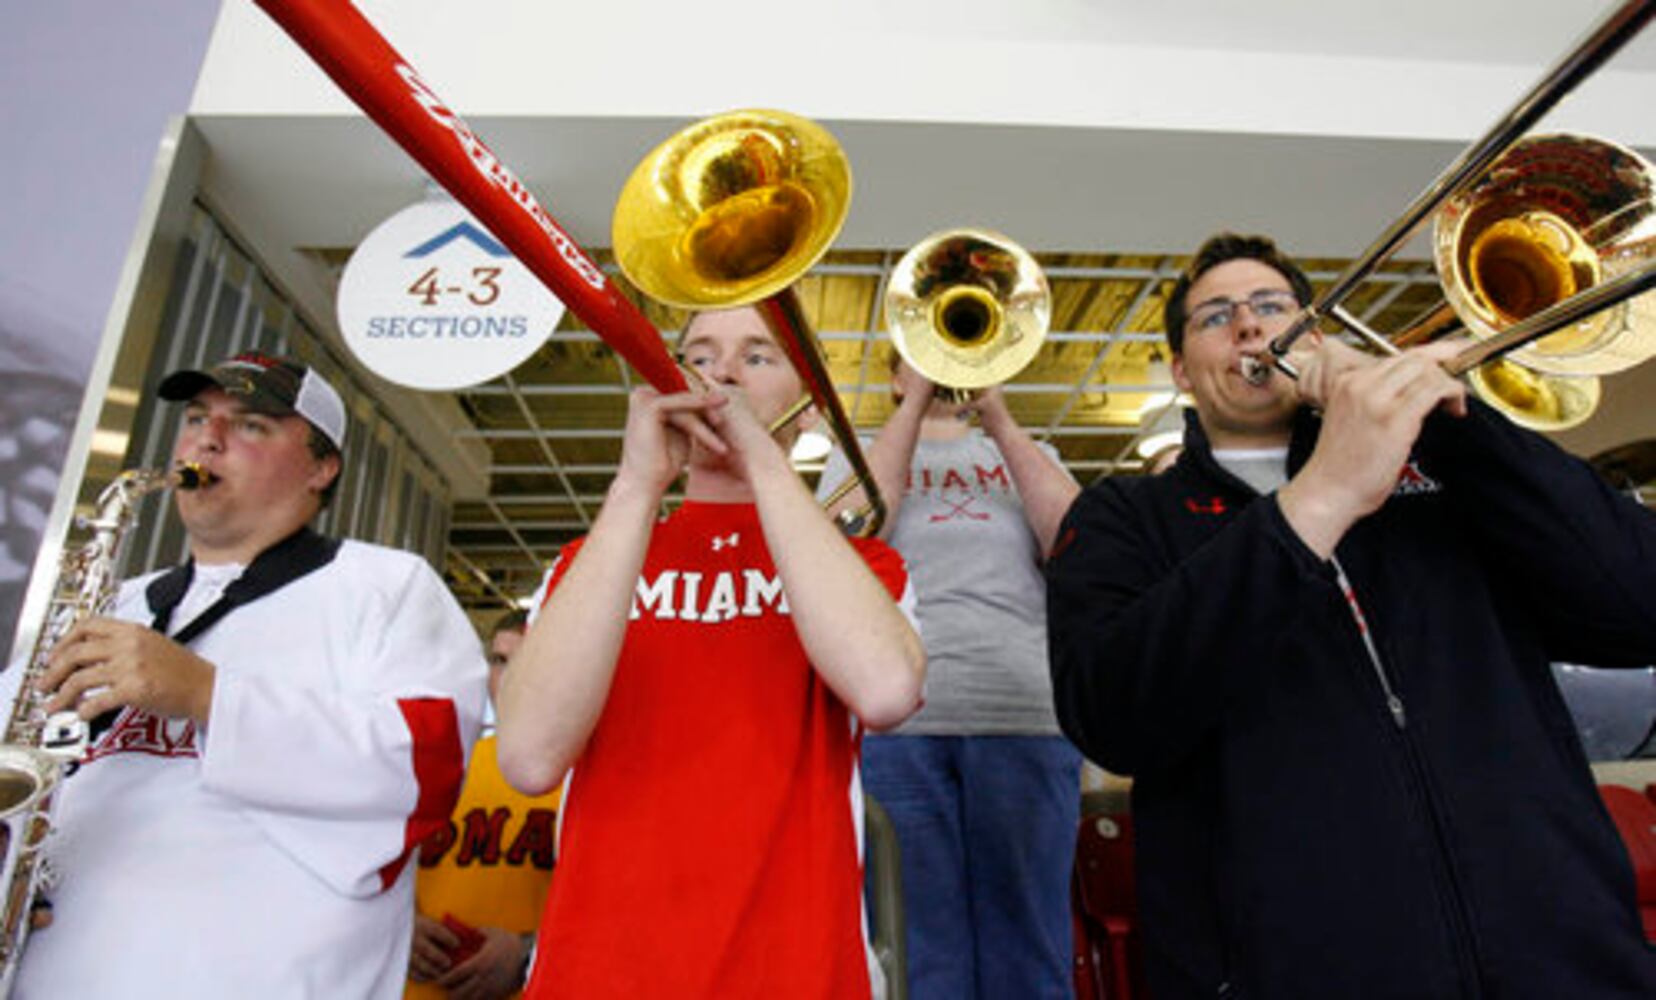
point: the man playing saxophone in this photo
(288, 717)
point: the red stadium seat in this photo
(1086, 974)
(1108, 965)
(1635, 819)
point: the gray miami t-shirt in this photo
(974, 563)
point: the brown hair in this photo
(320, 448)
(516, 620)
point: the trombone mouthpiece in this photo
(1257, 368)
(1257, 372)
(190, 476)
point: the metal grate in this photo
(1099, 386)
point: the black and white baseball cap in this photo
(277, 386)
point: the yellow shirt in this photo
(492, 865)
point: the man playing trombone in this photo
(702, 678)
(1320, 644)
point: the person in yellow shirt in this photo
(483, 879)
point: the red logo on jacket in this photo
(1412, 481)
(138, 731)
(1208, 505)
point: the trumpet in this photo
(968, 309)
(1541, 243)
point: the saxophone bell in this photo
(39, 749)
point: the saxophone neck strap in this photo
(297, 555)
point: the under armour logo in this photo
(1212, 505)
(728, 540)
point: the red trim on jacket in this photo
(439, 769)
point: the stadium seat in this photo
(1635, 818)
(1108, 961)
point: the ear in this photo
(326, 471)
(809, 419)
(1180, 379)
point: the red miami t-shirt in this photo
(709, 840)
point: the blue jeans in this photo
(986, 825)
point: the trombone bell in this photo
(966, 316)
(731, 210)
(1553, 216)
(747, 234)
(1531, 399)
(968, 308)
(1521, 265)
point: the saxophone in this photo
(40, 749)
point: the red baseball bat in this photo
(382, 83)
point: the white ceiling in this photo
(1071, 124)
(1078, 125)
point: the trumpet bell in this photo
(732, 209)
(1535, 400)
(1554, 215)
(968, 308)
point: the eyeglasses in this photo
(1266, 305)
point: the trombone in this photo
(734, 208)
(1518, 269)
(968, 309)
(731, 211)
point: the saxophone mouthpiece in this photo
(190, 476)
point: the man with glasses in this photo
(1320, 644)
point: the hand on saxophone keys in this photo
(104, 664)
(66, 735)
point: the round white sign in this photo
(431, 300)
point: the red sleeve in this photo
(560, 566)
(886, 564)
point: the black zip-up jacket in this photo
(1311, 823)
